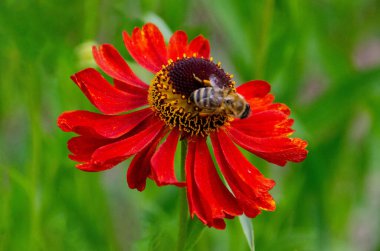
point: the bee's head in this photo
(236, 106)
(246, 112)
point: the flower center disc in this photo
(172, 86)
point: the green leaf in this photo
(247, 226)
(194, 231)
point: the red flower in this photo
(173, 107)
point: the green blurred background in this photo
(322, 58)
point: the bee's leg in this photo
(206, 112)
(206, 82)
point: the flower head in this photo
(189, 98)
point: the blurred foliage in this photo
(321, 57)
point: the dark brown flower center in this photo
(182, 74)
(171, 88)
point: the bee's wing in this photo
(214, 82)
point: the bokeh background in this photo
(322, 58)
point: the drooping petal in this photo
(211, 200)
(199, 46)
(249, 186)
(277, 150)
(104, 96)
(82, 147)
(177, 45)
(215, 193)
(129, 146)
(140, 167)
(163, 162)
(99, 125)
(112, 63)
(193, 201)
(88, 165)
(147, 47)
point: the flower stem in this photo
(183, 215)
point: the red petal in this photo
(130, 89)
(163, 162)
(82, 147)
(263, 124)
(147, 47)
(279, 107)
(259, 104)
(211, 199)
(217, 196)
(254, 89)
(104, 96)
(247, 183)
(99, 125)
(112, 63)
(266, 103)
(277, 150)
(177, 45)
(256, 92)
(140, 167)
(197, 205)
(265, 133)
(127, 147)
(200, 46)
(189, 167)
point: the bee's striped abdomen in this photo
(205, 98)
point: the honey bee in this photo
(213, 100)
